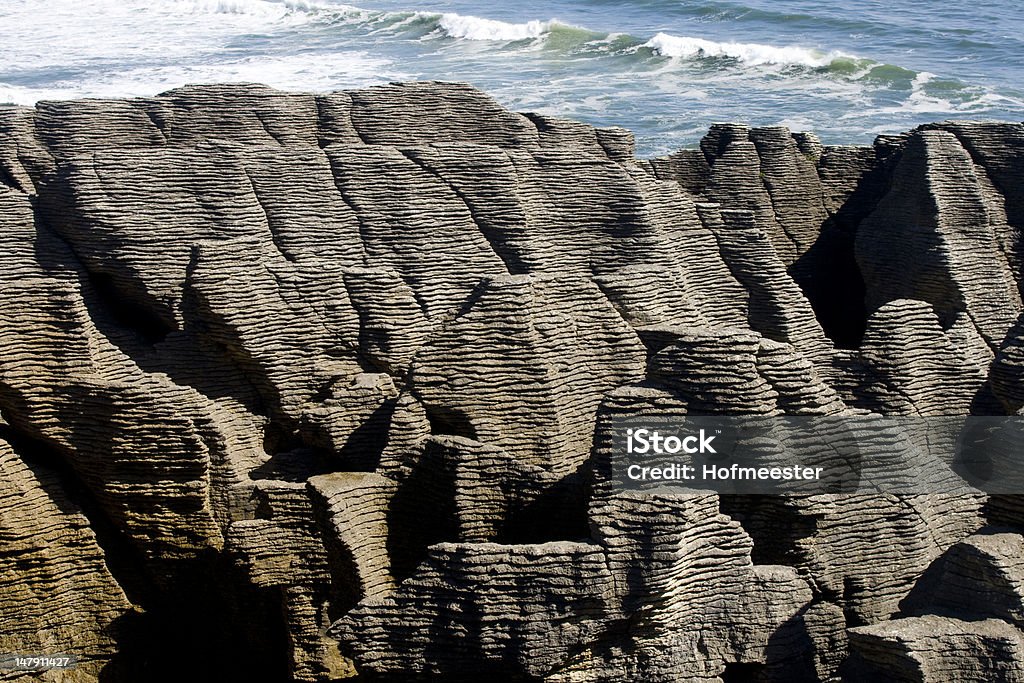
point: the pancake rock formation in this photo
(317, 387)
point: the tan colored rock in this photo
(336, 373)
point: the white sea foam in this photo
(921, 79)
(334, 71)
(748, 53)
(261, 8)
(17, 94)
(920, 102)
(971, 101)
(476, 28)
(126, 32)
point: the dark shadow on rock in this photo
(774, 524)
(421, 514)
(558, 513)
(199, 620)
(829, 277)
(828, 273)
(205, 625)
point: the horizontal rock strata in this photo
(307, 387)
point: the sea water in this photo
(847, 70)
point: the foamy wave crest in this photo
(748, 53)
(476, 28)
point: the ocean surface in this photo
(847, 70)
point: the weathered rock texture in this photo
(303, 387)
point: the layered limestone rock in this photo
(945, 242)
(980, 581)
(313, 386)
(59, 595)
(937, 649)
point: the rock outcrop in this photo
(306, 387)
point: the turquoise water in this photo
(847, 70)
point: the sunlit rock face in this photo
(309, 386)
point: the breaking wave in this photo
(556, 34)
(748, 53)
(546, 32)
(474, 28)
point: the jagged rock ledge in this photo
(302, 387)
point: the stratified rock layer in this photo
(309, 386)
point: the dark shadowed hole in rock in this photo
(741, 672)
(775, 527)
(656, 340)
(206, 624)
(831, 280)
(985, 401)
(828, 273)
(449, 422)
(119, 309)
(296, 465)
(280, 439)
(291, 457)
(423, 512)
(559, 513)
